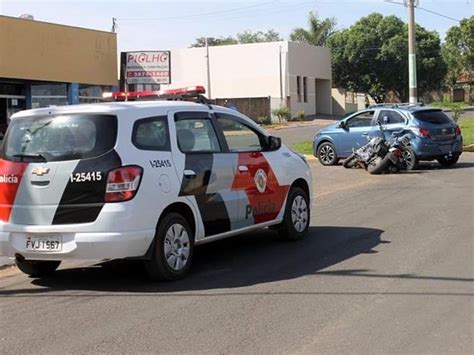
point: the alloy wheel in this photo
(407, 157)
(327, 154)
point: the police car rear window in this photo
(432, 116)
(59, 137)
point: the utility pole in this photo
(114, 24)
(412, 84)
(208, 71)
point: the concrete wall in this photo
(314, 63)
(253, 70)
(338, 102)
(43, 51)
(344, 102)
(249, 70)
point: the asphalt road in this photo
(387, 267)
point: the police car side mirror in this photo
(274, 143)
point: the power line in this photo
(424, 9)
(233, 16)
(197, 15)
(437, 13)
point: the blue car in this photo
(435, 135)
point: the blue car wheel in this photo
(410, 159)
(327, 154)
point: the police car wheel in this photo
(173, 249)
(295, 223)
(37, 268)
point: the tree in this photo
(258, 36)
(242, 37)
(213, 41)
(372, 57)
(458, 50)
(318, 33)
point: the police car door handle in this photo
(189, 173)
(243, 168)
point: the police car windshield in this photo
(59, 138)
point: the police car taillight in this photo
(122, 183)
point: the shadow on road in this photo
(241, 261)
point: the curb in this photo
(6, 262)
(316, 122)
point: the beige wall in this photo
(36, 50)
(314, 63)
(253, 70)
(250, 70)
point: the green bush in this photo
(282, 113)
(300, 115)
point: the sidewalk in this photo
(313, 120)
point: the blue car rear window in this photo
(432, 116)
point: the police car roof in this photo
(109, 107)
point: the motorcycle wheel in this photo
(378, 165)
(350, 161)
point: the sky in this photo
(161, 25)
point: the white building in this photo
(290, 74)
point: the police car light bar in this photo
(169, 94)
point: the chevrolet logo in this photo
(40, 171)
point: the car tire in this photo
(378, 165)
(172, 250)
(296, 220)
(327, 154)
(410, 159)
(448, 161)
(350, 161)
(37, 268)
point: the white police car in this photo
(142, 179)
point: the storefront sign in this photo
(148, 67)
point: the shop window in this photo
(48, 94)
(12, 89)
(91, 93)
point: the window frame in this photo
(188, 115)
(146, 120)
(298, 88)
(379, 116)
(112, 144)
(359, 114)
(305, 89)
(262, 138)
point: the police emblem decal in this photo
(260, 180)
